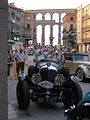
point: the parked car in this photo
(79, 64)
(48, 82)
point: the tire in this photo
(80, 74)
(31, 70)
(70, 118)
(65, 72)
(23, 95)
(72, 93)
(74, 117)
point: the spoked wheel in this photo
(80, 74)
(23, 95)
(72, 93)
(65, 72)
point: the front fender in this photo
(75, 87)
(72, 79)
(85, 70)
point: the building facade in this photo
(22, 25)
(83, 28)
(51, 22)
(15, 23)
(30, 31)
(86, 28)
(69, 30)
(79, 29)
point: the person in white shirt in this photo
(36, 55)
(20, 61)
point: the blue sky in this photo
(49, 4)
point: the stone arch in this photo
(47, 16)
(39, 16)
(55, 34)
(56, 15)
(39, 34)
(43, 21)
(47, 33)
(62, 15)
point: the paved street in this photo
(36, 111)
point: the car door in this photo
(70, 63)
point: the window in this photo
(18, 19)
(71, 26)
(28, 26)
(81, 57)
(71, 18)
(86, 24)
(28, 18)
(86, 11)
(85, 35)
(68, 57)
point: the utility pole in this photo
(3, 60)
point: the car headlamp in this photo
(36, 78)
(59, 79)
(22, 77)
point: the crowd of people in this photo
(49, 52)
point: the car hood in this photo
(49, 67)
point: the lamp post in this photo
(51, 40)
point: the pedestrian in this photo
(20, 61)
(56, 52)
(46, 53)
(26, 58)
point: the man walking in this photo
(20, 61)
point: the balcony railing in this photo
(85, 40)
(86, 28)
(85, 17)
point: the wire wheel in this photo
(80, 74)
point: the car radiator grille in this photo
(47, 74)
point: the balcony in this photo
(85, 17)
(86, 40)
(86, 28)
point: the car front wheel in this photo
(72, 93)
(23, 95)
(65, 72)
(80, 74)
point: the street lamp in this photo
(51, 40)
